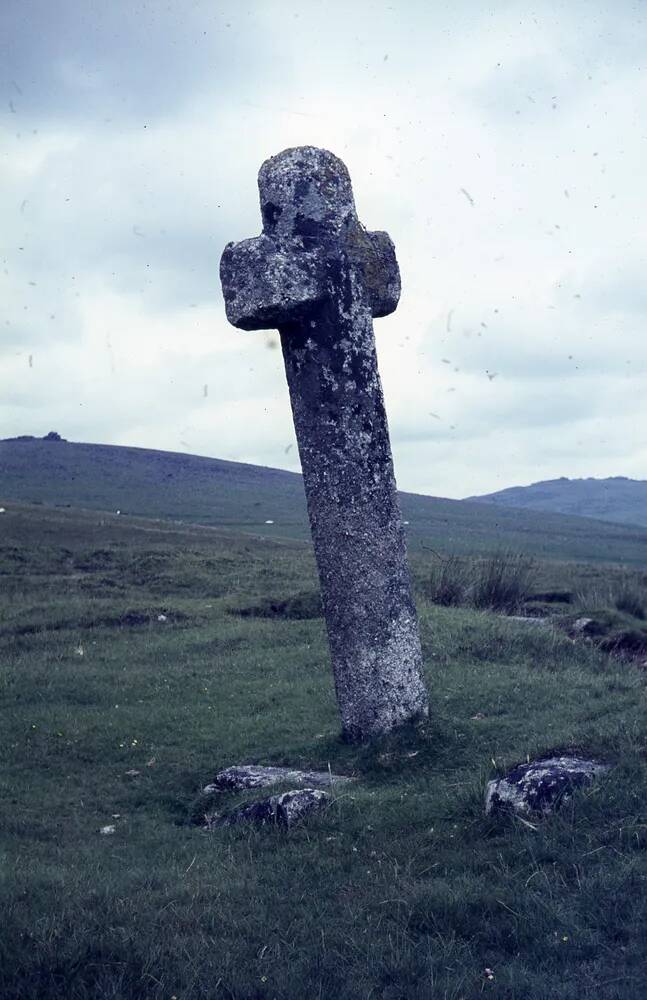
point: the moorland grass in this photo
(401, 889)
(271, 502)
(502, 581)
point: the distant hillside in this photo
(209, 491)
(617, 499)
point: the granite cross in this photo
(319, 277)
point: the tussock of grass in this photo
(631, 600)
(295, 607)
(614, 609)
(624, 591)
(402, 889)
(501, 582)
(504, 582)
(449, 581)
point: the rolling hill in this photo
(271, 502)
(618, 499)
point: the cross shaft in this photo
(320, 278)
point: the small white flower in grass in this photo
(269, 522)
(161, 618)
(2, 510)
(107, 830)
(79, 650)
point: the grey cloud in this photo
(159, 235)
(487, 411)
(575, 47)
(622, 289)
(529, 92)
(71, 60)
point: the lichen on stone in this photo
(542, 785)
(285, 810)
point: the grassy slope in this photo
(243, 497)
(403, 889)
(617, 499)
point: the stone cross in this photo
(319, 277)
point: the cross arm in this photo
(267, 283)
(374, 255)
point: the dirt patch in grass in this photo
(298, 608)
(611, 631)
(626, 642)
(128, 619)
(552, 597)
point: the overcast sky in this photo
(504, 149)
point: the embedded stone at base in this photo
(284, 810)
(541, 786)
(244, 776)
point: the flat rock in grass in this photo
(528, 619)
(244, 776)
(284, 810)
(540, 786)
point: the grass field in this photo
(401, 889)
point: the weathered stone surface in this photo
(542, 785)
(256, 776)
(320, 277)
(581, 626)
(267, 282)
(284, 810)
